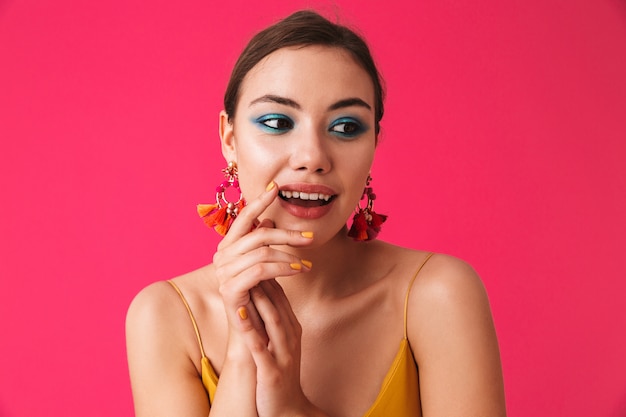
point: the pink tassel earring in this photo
(220, 216)
(366, 223)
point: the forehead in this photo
(308, 74)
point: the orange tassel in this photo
(218, 217)
(204, 209)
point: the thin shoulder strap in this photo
(193, 319)
(408, 291)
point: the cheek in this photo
(252, 180)
(364, 171)
(256, 170)
(359, 174)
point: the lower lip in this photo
(306, 212)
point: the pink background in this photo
(504, 144)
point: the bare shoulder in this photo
(162, 354)
(154, 323)
(445, 278)
(447, 292)
(454, 342)
(151, 303)
(155, 306)
(439, 276)
(160, 303)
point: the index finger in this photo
(247, 219)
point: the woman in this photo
(295, 315)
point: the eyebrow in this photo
(348, 102)
(270, 98)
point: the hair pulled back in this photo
(303, 28)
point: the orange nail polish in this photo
(308, 235)
(243, 313)
(270, 186)
(306, 263)
(296, 266)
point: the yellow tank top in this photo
(398, 395)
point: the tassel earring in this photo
(220, 216)
(366, 223)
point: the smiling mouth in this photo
(306, 199)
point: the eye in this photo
(275, 123)
(347, 127)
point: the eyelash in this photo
(265, 123)
(356, 125)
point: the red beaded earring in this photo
(366, 223)
(220, 216)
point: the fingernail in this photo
(296, 266)
(270, 186)
(306, 263)
(308, 235)
(243, 313)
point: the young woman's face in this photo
(305, 118)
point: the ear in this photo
(227, 137)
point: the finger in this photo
(252, 316)
(236, 291)
(265, 236)
(255, 319)
(256, 341)
(283, 337)
(277, 297)
(281, 301)
(232, 260)
(235, 264)
(246, 219)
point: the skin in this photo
(313, 353)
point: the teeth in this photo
(305, 196)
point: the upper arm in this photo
(454, 342)
(164, 379)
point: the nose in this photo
(310, 152)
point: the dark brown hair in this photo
(303, 28)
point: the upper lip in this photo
(308, 188)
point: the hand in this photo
(244, 258)
(278, 390)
